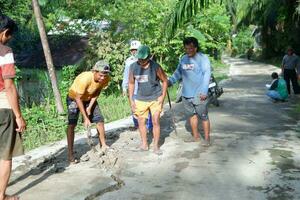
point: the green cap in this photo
(102, 66)
(143, 52)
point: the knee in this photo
(141, 121)
(155, 120)
(71, 127)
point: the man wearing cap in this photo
(134, 45)
(82, 98)
(288, 67)
(150, 94)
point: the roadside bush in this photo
(243, 41)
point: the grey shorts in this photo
(200, 109)
(73, 112)
(10, 140)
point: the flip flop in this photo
(192, 139)
(7, 197)
(74, 161)
(140, 149)
(206, 143)
(158, 152)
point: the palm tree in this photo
(269, 14)
(184, 10)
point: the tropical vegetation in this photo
(221, 26)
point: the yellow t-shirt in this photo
(85, 85)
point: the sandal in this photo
(140, 149)
(206, 143)
(158, 152)
(7, 197)
(192, 139)
(74, 161)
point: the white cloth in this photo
(4, 101)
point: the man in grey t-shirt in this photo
(150, 94)
(288, 67)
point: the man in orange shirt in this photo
(82, 98)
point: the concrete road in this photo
(255, 154)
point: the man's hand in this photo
(133, 106)
(87, 123)
(203, 97)
(21, 124)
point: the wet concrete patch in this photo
(275, 192)
(282, 159)
(191, 154)
(181, 166)
(119, 184)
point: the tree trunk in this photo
(47, 52)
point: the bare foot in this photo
(144, 147)
(105, 147)
(157, 151)
(72, 159)
(7, 197)
(192, 139)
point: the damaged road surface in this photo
(255, 154)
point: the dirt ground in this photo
(255, 154)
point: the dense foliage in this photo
(142, 20)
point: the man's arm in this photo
(163, 77)
(92, 101)
(176, 76)
(274, 85)
(13, 98)
(131, 86)
(80, 105)
(282, 63)
(125, 78)
(206, 77)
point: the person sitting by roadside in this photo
(277, 90)
(82, 98)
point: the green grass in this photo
(220, 70)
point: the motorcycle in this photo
(214, 92)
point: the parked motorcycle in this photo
(214, 92)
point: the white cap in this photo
(135, 44)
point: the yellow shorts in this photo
(142, 108)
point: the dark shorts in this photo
(200, 109)
(10, 140)
(73, 112)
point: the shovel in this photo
(90, 140)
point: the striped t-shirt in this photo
(7, 70)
